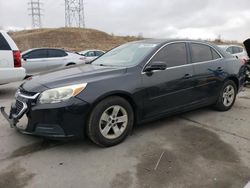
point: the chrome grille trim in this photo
(19, 93)
(22, 111)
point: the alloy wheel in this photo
(228, 95)
(113, 122)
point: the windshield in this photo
(126, 55)
(27, 51)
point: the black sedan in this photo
(131, 84)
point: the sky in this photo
(195, 19)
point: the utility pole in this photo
(74, 13)
(35, 13)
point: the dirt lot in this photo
(203, 148)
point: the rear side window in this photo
(240, 50)
(230, 50)
(173, 54)
(36, 54)
(237, 50)
(202, 52)
(90, 54)
(56, 53)
(3, 43)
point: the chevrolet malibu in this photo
(131, 84)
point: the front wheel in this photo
(110, 121)
(227, 96)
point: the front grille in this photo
(19, 107)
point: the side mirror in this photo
(25, 57)
(157, 65)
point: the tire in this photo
(227, 96)
(110, 121)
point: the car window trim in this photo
(187, 43)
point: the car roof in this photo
(164, 41)
(229, 45)
(85, 51)
(32, 49)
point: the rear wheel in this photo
(110, 121)
(227, 96)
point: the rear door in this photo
(35, 61)
(170, 89)
(208, 71)
(57, 58)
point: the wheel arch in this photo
(235, 80)
(70, 63)
(127, 96)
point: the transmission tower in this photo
(35, 13)
(74, 13)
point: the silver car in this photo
(91, 55)
(45, 59)
(235, 50)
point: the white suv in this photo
(236, 51)
(10, 60)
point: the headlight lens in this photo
(61, 94)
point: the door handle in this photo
(187, 76)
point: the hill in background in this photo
(74, 39)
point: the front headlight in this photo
(61, 94)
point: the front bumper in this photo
(61, 120)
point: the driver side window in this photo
(37, 54)
(173, 55)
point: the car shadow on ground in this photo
(43, 144)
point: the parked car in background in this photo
(247, 71)
(10, 60)
(46, 59)
(91, 55)
(133, 83)
(236, 51)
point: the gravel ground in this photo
(202, 148)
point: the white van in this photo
(10, 60)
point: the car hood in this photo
(71, 76)
(247, 46)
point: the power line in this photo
(74, 13)
(35, 13)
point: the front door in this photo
(35, 61)
(170, 89)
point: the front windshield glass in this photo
(126, 55)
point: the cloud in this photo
(159, 19)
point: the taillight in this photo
(17, 59)
(243, 61)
